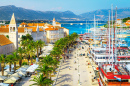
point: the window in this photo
(13, 29)
(18, 36)
(99, 57)
(10, 29)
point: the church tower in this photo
(13, 32)
(37, 28)
(54, 22)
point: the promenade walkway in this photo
(70, 77)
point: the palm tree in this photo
(28, 36)
(23, 44)
(37, 47)
(56, 52)
(20, 52)
(41, 44)
(75, 35)
(47, 60)
(15, 59)
(38, 44)
(2, 61)
(55, 64)
(51, 63)
(25, 40)
(50, 70)
(44, 69)
(41, 80)
(31, 50)
(9, 60)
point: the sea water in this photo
(81, 27)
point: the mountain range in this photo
(103, 14)
(27, 14)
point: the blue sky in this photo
(76, 6)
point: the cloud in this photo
(100, 15)
(56, 8)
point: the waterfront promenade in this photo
(70, 77)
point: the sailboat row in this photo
(110, 54)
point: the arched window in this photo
(13, 29)
(10, 29)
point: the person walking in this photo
(69, 68)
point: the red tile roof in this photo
(51, 28)
(4, 30)
(20, 29)
(4, 40)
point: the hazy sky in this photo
(76, 6)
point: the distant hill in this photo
(27, 14)
(21, 13)
(103, 14)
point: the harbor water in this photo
(81, 27)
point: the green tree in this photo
(37, 47)
(41, 80)
(56, 52)
(44, 69)
(55, 65)
(41, 44)
(9, 60)
(7, 36)
(15, 59)
(47, 60)
(2, 61)
(20, 52)
(125, 19)
(31, 51)
(27, 37)
(38, 44)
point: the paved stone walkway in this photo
(70, 77)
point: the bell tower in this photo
(13, 32)
(54, 22)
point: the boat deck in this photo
(122, 70)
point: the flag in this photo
(118, 78)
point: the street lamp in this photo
(79, 78)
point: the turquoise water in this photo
(75, 26)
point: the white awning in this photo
(22, 73)
(7, 67)
(14, 78)
(10, 81)
(16, 75)
(32, 68)
(7, 70)
(3, 84)
(3, 77)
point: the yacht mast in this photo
(109, 39)
(116, 36)
(112, 34)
